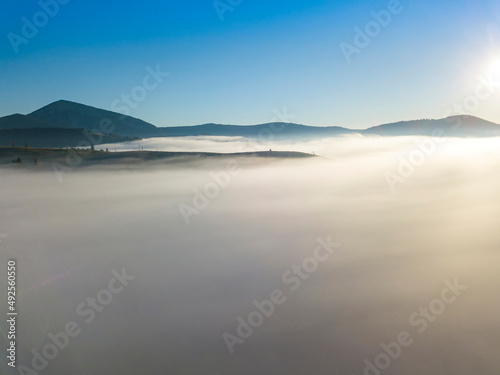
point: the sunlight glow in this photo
(494, 73)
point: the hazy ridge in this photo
(69, 115)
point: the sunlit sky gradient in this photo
(264, 55)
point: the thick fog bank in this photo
(374, 260)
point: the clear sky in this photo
(237, 66)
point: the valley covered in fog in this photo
(376, 256)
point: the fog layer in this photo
(404, 230)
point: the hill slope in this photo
(66, 114)
(454, 126)
(18, 121)
(70, 115)
(56, 137)
(275, 130)
(46, 157)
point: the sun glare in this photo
(494, 72)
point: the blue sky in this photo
(261, 57)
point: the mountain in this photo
(18, 121)
(56, 137)
(69, 115)
(275, 130)
(453, 126)
(66, 114)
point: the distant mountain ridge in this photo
(65, 114)
(457, 126)
(276, 129)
